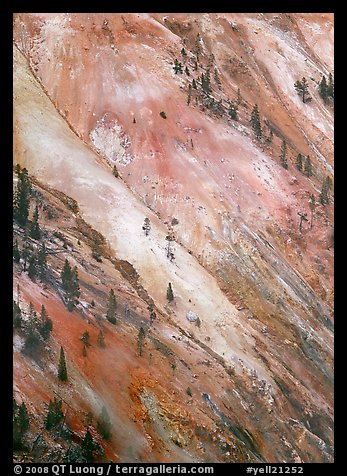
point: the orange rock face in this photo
(110, 135)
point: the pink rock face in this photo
(226, 229)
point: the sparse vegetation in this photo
(162, 114)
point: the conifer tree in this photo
(183, 52)
(169, 293)
(302, 89)
(16, 252)
(23, 418)
(17, 315)
(308, 167)
(46, 324)
(111, 308)
(323, 89)
(66, 275)
(42, 262)
(205, 82)
(54, 414)
(255, 122)
(194, 84)
(186, 70)
(140, 340)
(22, 198)
(299, 162)
(62, 370)
(70, 282)
(32, 267)
(283, 156)
(88, 447)
(324, 196)
(330, 88)
(35, 231)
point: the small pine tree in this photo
(255, 122)
(140, 340)
(66, 275)
(323, 89)
(35, 231)
(42, 263)
(183, 52)
(308, 167)
(186, 70)
(32, 269)
(55, 413)
(169, 293)
(101, 340)
(194, 84)
(302, 89)
(17, 315)
(70, 282)
(330, 88)
(16, 252)
(46, 324)
(62, 370)
(111, 308)
(23, 418)
(299, 162)
(324, 196)
(22, 198)
(283, 156)
(88, 447)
